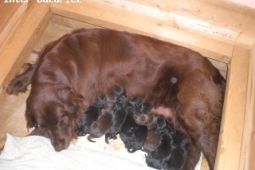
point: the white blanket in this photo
(37, 153)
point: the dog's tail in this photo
(21, 81)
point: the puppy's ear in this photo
(21, 81)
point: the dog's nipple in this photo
(173, 80)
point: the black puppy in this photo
(172, 151)
(106, 116)
(90, 116)
(156, 159)
(177, 159)
(136, 106)
(153, 138)
(119, 114)
(132, 134)
(104, 122)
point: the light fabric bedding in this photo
(37, 153)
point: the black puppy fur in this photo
(172, 151)
(156, 159)
(104, 122)
(90, 116)
(137, 107)
(132, 134)
(105, 117)
(118, 115)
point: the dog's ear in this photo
(75, 103)
(21, 81)
(30, 123)
(30, 119)
(79, 102)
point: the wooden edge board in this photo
(213, 16)
(20, 42)
(248, 117)
(250, 150)
(11, 21)
(233, 119)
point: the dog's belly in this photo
(164, 111)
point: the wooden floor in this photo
(12, 118)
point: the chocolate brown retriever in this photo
(75, 69)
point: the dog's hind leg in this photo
(193, 155)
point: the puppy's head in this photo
(157, 158)
(133, 135)
(136, 106)
(90, 116)
(149, 120)
(55, 110)
(101, 126)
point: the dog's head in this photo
(55, 110)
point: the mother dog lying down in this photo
(75, 69)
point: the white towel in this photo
(37, 153)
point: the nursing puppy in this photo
(178, 156)
(119, 114)
(77, 68)
(136, 106)
(113, 116)
(90, 116)
(153, 138)
(100, 126)
(132, 134)
(172, 151)
(157, 158)
(104, 122)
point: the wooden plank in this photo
(10, 14)
(250, 150)
(20, 43)
(213, 16)
(96, 12)
(7, 10)
(72, 23)
(249, 118)
(57, 27)
(232, 125)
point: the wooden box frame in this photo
(237, 131)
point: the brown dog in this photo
(72, 71)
